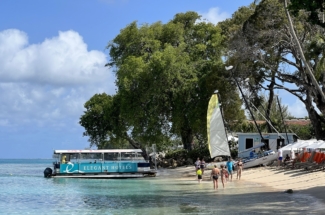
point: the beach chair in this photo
(306, 160)
(315, 166)
(318, 164)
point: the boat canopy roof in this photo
(95, 151)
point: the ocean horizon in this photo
(24, 190)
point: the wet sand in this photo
(279, 179)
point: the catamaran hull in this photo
(260, 161)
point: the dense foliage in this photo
(314, 9)
(304, 132)
(166, 74)
(193, 154)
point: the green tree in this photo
(265, 53)
(106, 126)
(304, 132)
(166, 74)
(314, 9)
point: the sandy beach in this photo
(279, 179)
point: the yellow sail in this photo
(217, 137)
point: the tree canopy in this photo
(263, 51)
(314, 9)
(166, 74)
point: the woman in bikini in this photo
(239, 168)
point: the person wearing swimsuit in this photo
(239, 168)
(223, 174)
(215, 172)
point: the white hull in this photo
(260, 161)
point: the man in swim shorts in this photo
(230, 165)
(215, 172)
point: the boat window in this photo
(64, 158)
(128, 156)
(138, 156)
(113, 156)
(249, 143)
(91, 157)
(73, 157)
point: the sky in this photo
(52, 57)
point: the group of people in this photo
(199, 168)
(225, 172)
(288, 159)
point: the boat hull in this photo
(107, 176)
(260, 161)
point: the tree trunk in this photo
(314, 117)
(268, 110)
(137, 145)
(317, 124)
(187, 138)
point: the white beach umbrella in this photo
(288, 147)
(300, 144)
(317, 145)
(304, 144)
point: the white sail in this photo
(217, 138)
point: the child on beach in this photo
(199, 175)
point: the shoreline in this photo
(300, 181)
(279, 179)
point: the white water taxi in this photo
(107, 163)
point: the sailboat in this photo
(217, 136)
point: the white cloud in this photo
(61, 60)
(47, 84)
(214, 15)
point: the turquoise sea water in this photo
(24, 190)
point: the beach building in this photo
(272, 141)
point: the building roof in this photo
(287, 122)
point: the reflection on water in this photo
(27, 192)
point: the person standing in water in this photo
(215, 172)
(202, 165)
(199, 175)
(197, 164)
(229, 165)
(223, 174)
(239, 168)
